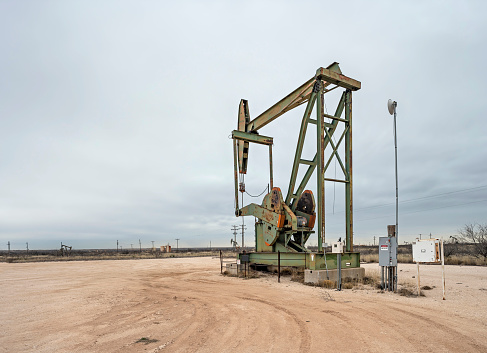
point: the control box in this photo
(387, 251)
(337, 247)
(427, 250)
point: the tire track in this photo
(304, 335)
(413, 336)
(446, 329)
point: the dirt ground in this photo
(185, 305)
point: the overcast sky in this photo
(115, 115)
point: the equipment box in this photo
(387, 251)
(426, 250)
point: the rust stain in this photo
(280, 222)
(312, 220)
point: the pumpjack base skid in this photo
(306, 260)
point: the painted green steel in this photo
(320, 182)
(307, 176)
(243, 146)
(335, 148)
(348, 163)
(245, 136)
(281, 107)
(308, 260)
(299, 147)
(335, 152)
(235, 169)
(287, 239)
(311, 168)
(329, 75)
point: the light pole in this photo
(391, 106)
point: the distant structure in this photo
(166, 248)
(65, 250)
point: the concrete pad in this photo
(316, 276)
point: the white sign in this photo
(427, 250)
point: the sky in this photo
(115, 116)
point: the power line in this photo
(424, 210)
(416, 199)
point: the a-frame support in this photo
(311, 92)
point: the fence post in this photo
(221, 263)
(419, 284)
(279, 266)
(443, 267)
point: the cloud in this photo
(115, 117)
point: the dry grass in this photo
(327, 284)
(466, 260)
(286, 271)
(109, 256)
(297, 276)
(252, 274)
(408, 292)
(369, 258)
(406, 287)
(371, 280)
(405, 258)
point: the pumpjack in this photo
(284, 225)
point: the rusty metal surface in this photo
(278, 228)
(292, 100)
(338, 79)
(306, 202)
(243, 146)
(245, 136)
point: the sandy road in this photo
(185, 305)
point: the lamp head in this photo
(391, 106)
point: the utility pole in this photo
(210, 245)
(132, 246)
(152, 245)
(27, 247)
(117, 245)
(419, 236)
(177, 244)
(234, 235)
(8, 247)
(140, 246)
(374, 240)
(243, 228)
